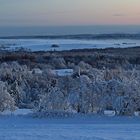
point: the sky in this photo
(69, 12)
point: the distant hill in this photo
(78, 36)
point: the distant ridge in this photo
(78, 36)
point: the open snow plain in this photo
(90, 127)
(67, 44)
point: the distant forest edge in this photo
(77, 36)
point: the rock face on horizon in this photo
(55, 46)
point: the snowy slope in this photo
(17, 112)
(76, 128)
(63, 72)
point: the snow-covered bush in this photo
(109, 113)
(137, 113)
(52, 100)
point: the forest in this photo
(100, 79)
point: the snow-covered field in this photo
(67, 44)
(14, 127)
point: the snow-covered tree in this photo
(6, 101)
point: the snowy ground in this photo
(67, 44)
(15, 127)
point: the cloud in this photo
(118, 15)
(124, 15)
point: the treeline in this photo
(97, 58)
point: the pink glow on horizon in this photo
(65, 12)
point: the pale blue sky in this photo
(68, 12)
